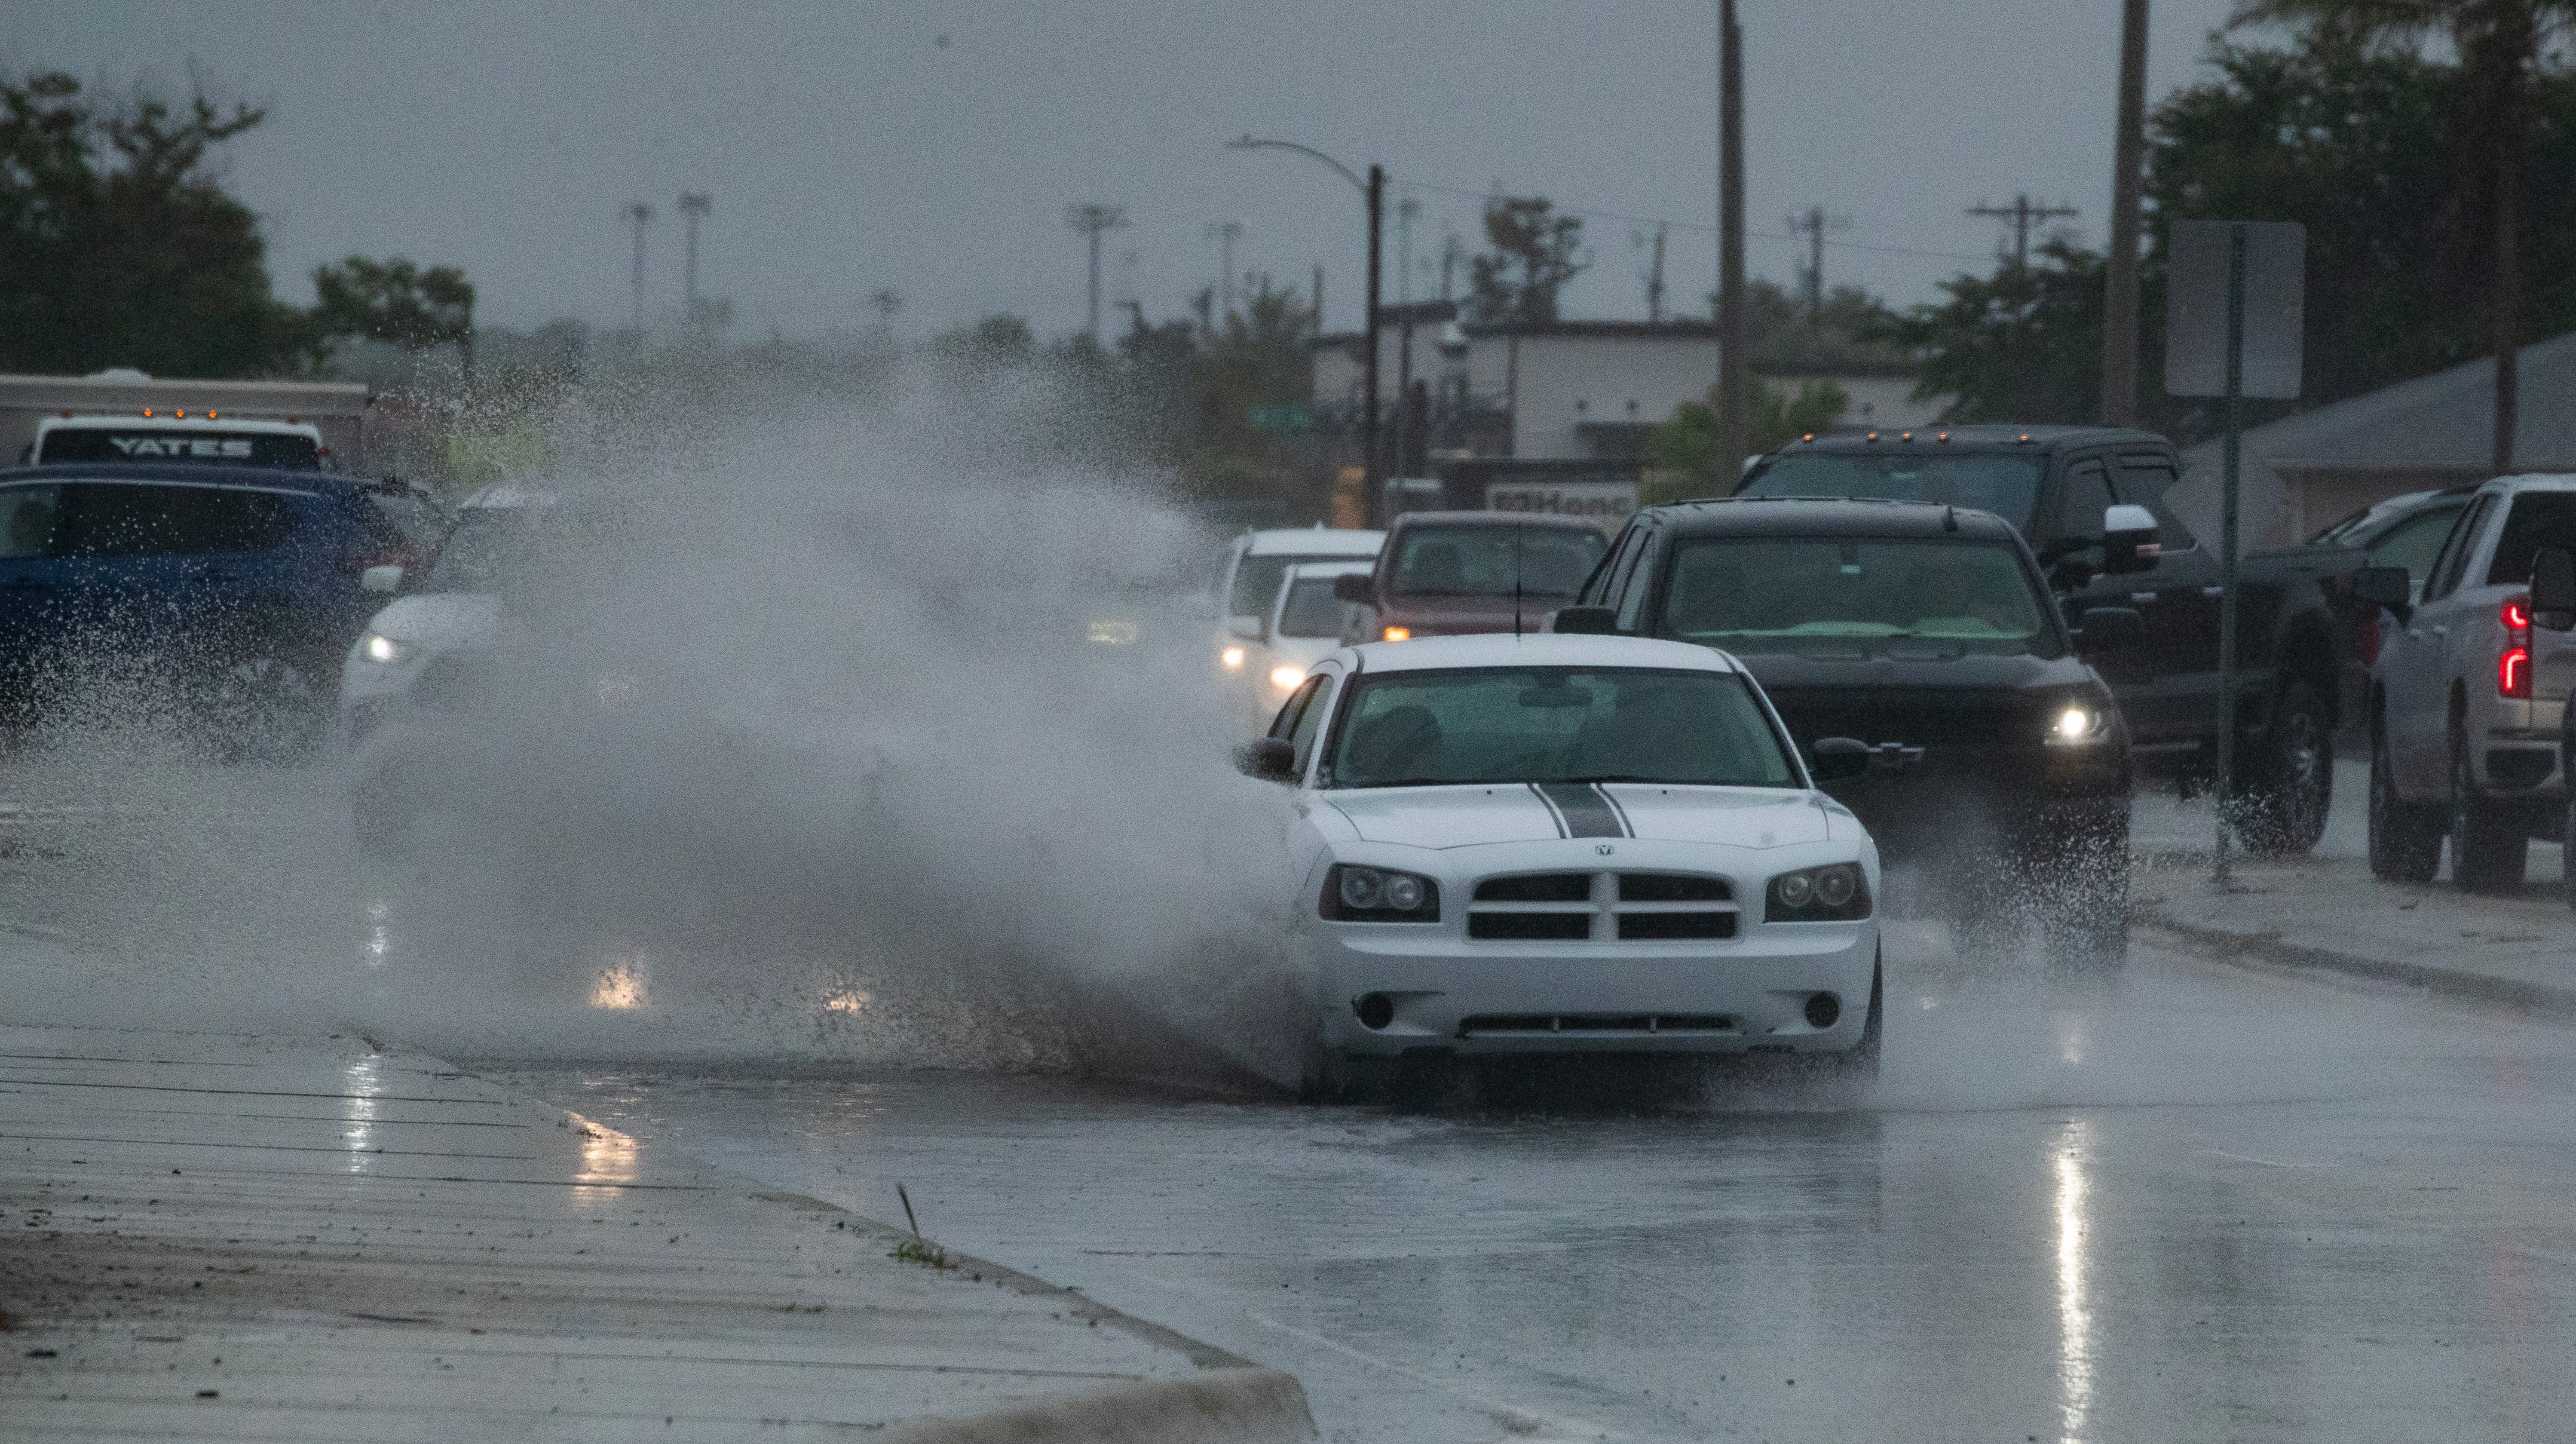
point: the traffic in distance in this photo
(1554, 788)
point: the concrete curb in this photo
(2268, 949)
(1224, 1406)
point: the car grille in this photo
(1489, 1024)
(1602, 906)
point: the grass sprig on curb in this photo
(917, 1249)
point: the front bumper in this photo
(1506, 999)
(1495, 997)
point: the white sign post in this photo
(2235, 313)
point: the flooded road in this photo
(2205, 1204)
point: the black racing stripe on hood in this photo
(1554, 814)
(1584, 811)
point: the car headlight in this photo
(1835, 893)
(382, 650)
(1231, 658)
(2078, 724)
(1286, 678)
(1355, 894)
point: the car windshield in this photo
(487, 544)
(1495, 561)
(2008, 486)
(1310, 609)
(1854, 595)
(1556, 724)
(1257, 578)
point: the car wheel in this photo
(2283, 810)
(267, 708)
(2488, 853)
(1861, 1063)
(381, 826)
(2405, 837)
(2086, 898)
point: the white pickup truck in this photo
(2469, 739)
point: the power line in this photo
(2021, 213)
(1702, 227)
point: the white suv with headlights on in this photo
(1567, 844)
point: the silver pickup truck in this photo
(2468, 712)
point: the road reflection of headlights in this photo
(1232, 657)
(1287, 678)
(2076, 724)
(382, 650)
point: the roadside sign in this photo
(1605, 502)
(1288, 418)
(2236, 295)
(2275, 307)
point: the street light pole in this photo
(1373, 195)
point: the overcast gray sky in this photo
(933, 148)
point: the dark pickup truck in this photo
(2303, 637)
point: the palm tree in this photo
(2498, 41)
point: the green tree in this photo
(2500, 45)
(2024, 344)
(1532, 253)
(1853, 330)
(394, 301)
(1684, 449)
(1256, 359)
(997, 340)
(117, 248)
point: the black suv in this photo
(1928, 632)
(2303, 638)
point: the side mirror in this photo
(2385, 587)
(1588, 621)
(1834, 758)
(2129, 540)
(1354, 587)
(1270, 759)
(387, 578)
(2111, 629)
(2553, 590)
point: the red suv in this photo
(1443, 573)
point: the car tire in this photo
(2405, 837)
(1861, 1063)
(2086, 922)
(381, 827)
(2282, 812)
(2488, 852)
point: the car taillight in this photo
(2513, 665)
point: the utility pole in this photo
(1316, 320)
(1368, 403)
(1813, 223)
(1734, 353)
(1654, 275)
(1224, 234)
(1405, 210)
(2022, 213)
(641, 214)
(2120, 269)
(1091, 220)
(693, 207)
(1451, 249)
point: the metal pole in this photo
(1368, 333)
(639, 213)
(2120, 271)
(1734, 382)
(2227, 553)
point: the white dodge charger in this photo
(1568, 844)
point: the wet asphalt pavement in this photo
(2204, 1204)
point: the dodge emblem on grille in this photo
(1605, 849)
